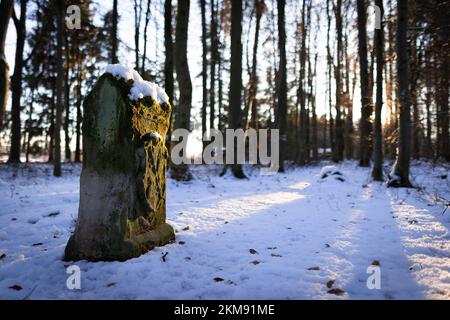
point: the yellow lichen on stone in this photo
(150, 123)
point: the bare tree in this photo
(60, 5)
(168, 62)
(204, 68)
(16, 132)
(147, 20)
(366, 108)
(377, 171)
(400, 176)
(6, 9)
(114, 41)
(338, 152)
(282, 85)
(183, 112)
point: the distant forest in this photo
(384, 65)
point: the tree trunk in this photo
(314, 135)
(364, 79)
(20, 24)
(168, 64)
(251, 102)
(114, 41)
(282, 84)
(301, 93)
(377, 172)
(204, 69)
(79, 115)
(183, 112)
(60, 6)
(400, 176)
(444, 81)
(214, 57)
(67, 150)
(137, 27)
(338, 154)
(234, 114)
(6, 9)
(330, 63)
(147, 20)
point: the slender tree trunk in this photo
(301, 94)
(6, 9)
(147, 20)
(67, 150)
(234, 114)
(114, 46)
(59, 85)
(348, 102)
(330, 63)
(444, 81)
(168, 63)
(364, 79)
(16, 133)
(79, 115)
(414, 92)
(252, 105)
(314, 136)
(401, 167)
(338, 154)
(30, 135)
(51, 129)
(377, 172)
(214, 57)
(204, 69)
(183, 112)
(282, 84)
(137, 27)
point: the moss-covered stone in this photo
(122, 210)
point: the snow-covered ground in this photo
(270, 237)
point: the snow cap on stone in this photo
(141, 88)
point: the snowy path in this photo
(259, 237)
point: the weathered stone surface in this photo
(122, 209)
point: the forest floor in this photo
(284, 236)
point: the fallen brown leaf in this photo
(337, 291)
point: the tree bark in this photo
(16, 133)
(6, 9)
(338, 154)
(214, 57)
(137, 27)
(330, 63)
(251, 102)
(147, 20)
(168, 64)
(204, 69)
(183, 112)
(282, 85)
(366, 111)
(59, 85)
(114, 41)
(377, 171)
(79, 115)
(401, 166)
(301, 93)
(234, 114)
